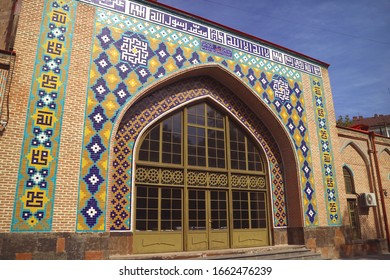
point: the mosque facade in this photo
(130, 127)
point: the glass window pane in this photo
(348, 180)
(166, 147)
(176, 159)
(154, 145)
(152, 192)
(155, 133)
(142, 192)
(192, 131)
(152, 225)
(191, 119)
(240, 210)
(200, 132)
(214, 118)
(152, 203)
(191, 160)
(147, 208)
(141, 214)
(200, 120)
(258, 211)
(143, 155)
(141, 225)
(176, 193)
(244, 154)
(166, 158)
(171, 203)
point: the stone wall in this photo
(71, 246)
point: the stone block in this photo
(311, 243)
(46, 244)
(23, 256)
(94, 255)
(60, 246)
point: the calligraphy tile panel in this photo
(35, 191)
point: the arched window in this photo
(200, 176)
(348, 179)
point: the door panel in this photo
(250, 238)
(207, 220)
(197, 221)
(249, 219)
(157, 242)
(218, 231)
(158, 225)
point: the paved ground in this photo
(385, 256)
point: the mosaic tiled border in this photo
(159, 103)
(327, 159)
(203, 31)
(130, 54)
(34, 197)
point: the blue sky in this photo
(353, 36)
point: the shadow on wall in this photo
(359, 238)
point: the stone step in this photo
(280, 252)
(299, 253)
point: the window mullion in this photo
(246, 154)
(160, 143)
(249, 209)
(206, 128)
(159, 209)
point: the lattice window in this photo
(218, 209)
(200, 154)
(244, 153)
(171, 140)
(353, 218)
(147, 208)
(150, 148)
(197, 209)
(249, 210)
(159, 209)
(237, 148)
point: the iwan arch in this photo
(148, 130)
(193, 96)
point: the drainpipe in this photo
(372, 139)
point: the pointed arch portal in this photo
(182, 180)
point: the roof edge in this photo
(241, 33)
(361, 131)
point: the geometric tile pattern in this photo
(208, 34)
(327, 159)
(34, 197)
(163, 101)
(118, 72)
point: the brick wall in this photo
(315, 152)
(64, 218)
(67, 187)
(384, 167)
(356, 154)
(11, 139)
